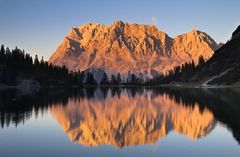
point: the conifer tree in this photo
(201, 60)
(90, 79)
(2, 54)
(119, 80)
(113, 79)
(104, 80)
(36, 61)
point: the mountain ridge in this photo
(136, 48)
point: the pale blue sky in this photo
(39, 26)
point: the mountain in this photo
(123, 120)
(123, 48)
(236, 33)
(224, 66)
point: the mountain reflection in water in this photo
(124, 120)
(127, 116)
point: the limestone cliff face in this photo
(122, 47)
(126, 121)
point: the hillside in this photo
(224, 66)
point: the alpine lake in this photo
(129, 121)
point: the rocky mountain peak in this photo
(194, 32)
(123, 48)
(118, 23)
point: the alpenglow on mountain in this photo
(135, 48)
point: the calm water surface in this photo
(120, 122)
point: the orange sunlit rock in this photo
(123, 47)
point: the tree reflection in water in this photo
(126, 116)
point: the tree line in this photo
(181, 73)
(16, 65)
(132, 79)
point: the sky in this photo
(39, 26)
